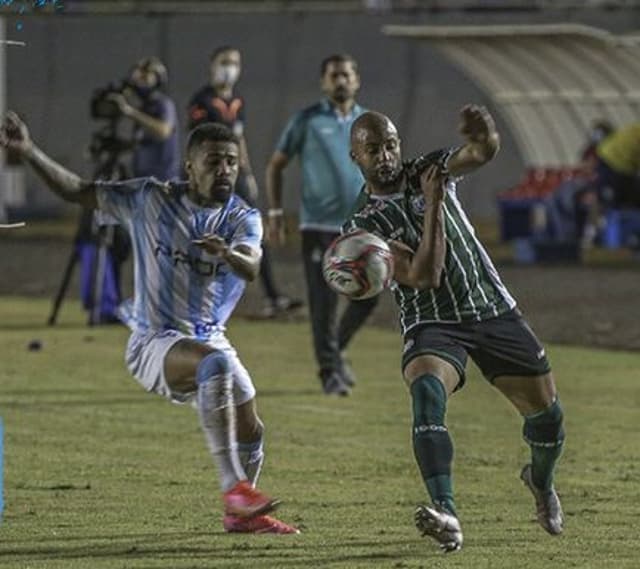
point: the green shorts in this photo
(504, 345)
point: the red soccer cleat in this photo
(258, 524)
(244, 501)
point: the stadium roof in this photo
(550, 82)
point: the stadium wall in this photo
(67, 56)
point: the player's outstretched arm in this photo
(243, 260)
(15, 136)
(423, 269)
(273, 184)
(482, 141)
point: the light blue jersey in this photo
(331, 182)
(177, 285)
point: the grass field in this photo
(100, 474)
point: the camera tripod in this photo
(106, 151)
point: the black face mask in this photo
(143, 92)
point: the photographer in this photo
(155, 144)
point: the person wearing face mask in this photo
(219, 102)
(155, 134)
(331, 182)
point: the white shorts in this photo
(145, 356)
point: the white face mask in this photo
(226, 74)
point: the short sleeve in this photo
(291, 139)
(122, 200)
(197, 112)
(168, 112)
(249, 231)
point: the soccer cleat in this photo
(441, 526)
(333, 384)
(245, 501)
(258, 524)
(280, 305)
(548, 508)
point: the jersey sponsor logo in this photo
(199, 266)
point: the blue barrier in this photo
(622, 228)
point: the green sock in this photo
(545, 434)
(440, 489)
(432, 444)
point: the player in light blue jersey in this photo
(194, 245)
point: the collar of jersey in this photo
(329, 108)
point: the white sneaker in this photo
(440, 525)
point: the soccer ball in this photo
(358, 265)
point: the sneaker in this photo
(287, 304)
(333, 384)
(258, 524)
(279, 305)
(348, 375)
(548, 508)
(244, 501)
(441, 526)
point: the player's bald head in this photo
(375, 148)
(371, 125)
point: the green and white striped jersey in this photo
(470, 288)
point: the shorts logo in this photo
(540, 354)
(408, 345)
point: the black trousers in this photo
(266, 268)
(330, 335)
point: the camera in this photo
(101, 106)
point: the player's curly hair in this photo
(213, 131)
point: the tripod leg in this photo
(98, 280)
(62, 289)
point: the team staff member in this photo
(218, 101)
(319, 135)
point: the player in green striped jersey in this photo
(453, 305)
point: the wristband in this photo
(275, 212)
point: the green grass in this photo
(100, 474)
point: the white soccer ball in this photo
(358, 264)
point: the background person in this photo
(331, 182)
(218, 101)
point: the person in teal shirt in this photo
(319, 136)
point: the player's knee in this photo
(429, 400)
(213, 365)
(545, 428)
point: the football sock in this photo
(251, 458)
(544, 433)
(432, 444)
(217, 416)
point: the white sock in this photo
(218, 421)
(251, 457)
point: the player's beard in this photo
(341, 95)
(220, 192)
(388, 176)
